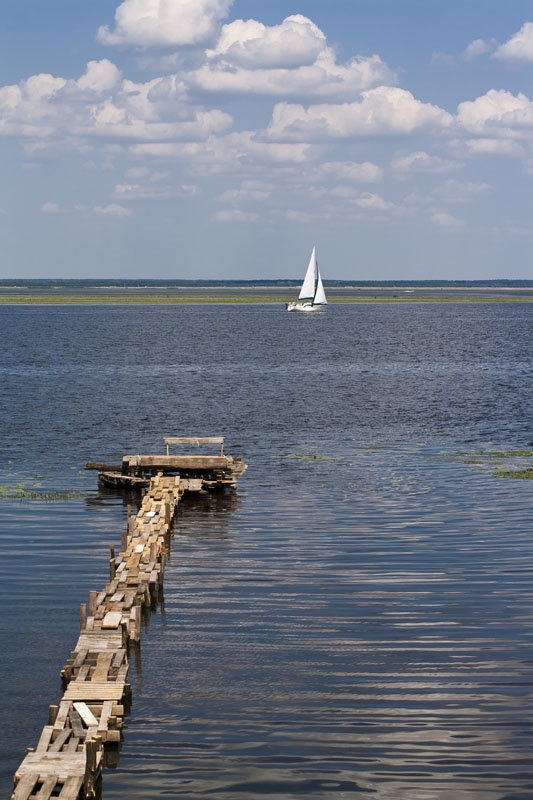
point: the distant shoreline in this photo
(280, 284)
(95, 300)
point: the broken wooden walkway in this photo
(67, 761)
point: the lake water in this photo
(357, 620)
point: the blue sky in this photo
(220, 139)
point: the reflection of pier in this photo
(84, 731)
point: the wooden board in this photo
(100, 640)
(71, 788)
(61, 764)
(93, 691)
(86, 715)
(177, 462)
(112, 619)
(193, 440)
(102, 666)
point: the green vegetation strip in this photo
(495, 461)
(149, 299)
(28, 490)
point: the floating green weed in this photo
(48, 496)
(30, 490)
(312, 457)
(495, 461)
(520, 474)
(378, 447)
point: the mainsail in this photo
(307, 292)
(312, 288)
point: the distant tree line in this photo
(82, 283)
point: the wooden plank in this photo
(86, 715)
(118, 658)
(101, 467)
(107, 711)
(177, 462)
(49, 784)
(102, 665)
(101, 640)
(44, 741)
(60, 740)
(193, 440)
(112, 619)
(80, 658)
(71, 788)
(84, 671)
(72, 746)
(25, 787)
(93, 691)
(48, 764)
(62, 714)
(76, 724)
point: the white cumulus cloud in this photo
(519, 47)
(446, 221)
(288, 60)
(102, 104)
(324, 78)
(494, 147)
(421, 161)
(113, 210)
(164, 23)
(364, 172)
(296, 42)
(498, 112)
(382, 111)
(478, 48)
(236, 216)
(100, 76)
(50, 208)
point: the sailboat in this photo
(312, 296)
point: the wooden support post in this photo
(83, 616)
(92, 603)
(91, 751)
(138, 621)
(52, 714)
(124, 540)
(112, 563)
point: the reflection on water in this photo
(357, 624)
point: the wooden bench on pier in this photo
(198, 473)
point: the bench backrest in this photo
(194, 440)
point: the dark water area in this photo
(356, 621)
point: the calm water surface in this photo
(356, 621)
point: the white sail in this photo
(307, 292)
(320, 295)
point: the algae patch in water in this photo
(312, 457)
(521, 474)
(30, 490)
(495, 460)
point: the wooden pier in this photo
(68, 759)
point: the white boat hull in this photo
(305, 307)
